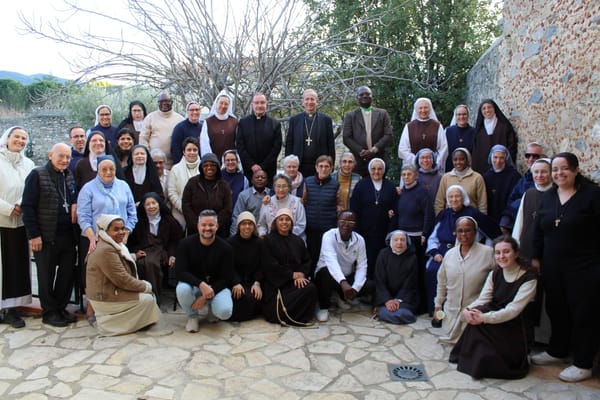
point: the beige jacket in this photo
(111, 277)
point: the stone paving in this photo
(345, 358)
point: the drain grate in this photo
(407, 372)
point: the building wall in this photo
(45, 128)
(544, 73)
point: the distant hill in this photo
(26, 79)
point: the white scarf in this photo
(93, 157)
(490, 124)
(221, 117)
(139, 174)
(15, 158)
(192, 168)
(138, 125)
(153, 222)
(120, 247)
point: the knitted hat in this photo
(246, 216)
(284, 211)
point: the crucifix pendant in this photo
(308, 141)
(556, 222)
(424, 136)
(66, 207)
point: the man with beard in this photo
(158, 127)
(367, 131)
(77, 140)
(204, 268)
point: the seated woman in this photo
(461, 277)
(396, 287)
(141, 175)
(494, 343)
(154, 241)
(247, 276)
(282, 185)
(443, 236)
(462, 175)
(289, 297)
(290, 165)
(123, 303)
(233, 173)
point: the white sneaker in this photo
(192, 325)
(575, 374)
(322, 315)
(545, 359)
(341, 303)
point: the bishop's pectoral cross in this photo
(66, 207)
(308, 141)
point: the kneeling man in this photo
(342, 266)
(204, 268)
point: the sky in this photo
(28, 54)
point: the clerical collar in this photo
(259, 116)
(366, 109)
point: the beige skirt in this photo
(121, 318)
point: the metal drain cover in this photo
(407, 372)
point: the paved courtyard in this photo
(345, 358)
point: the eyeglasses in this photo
(104, 114)
(532, 155)
(347, 223)
(463, 231)
(281, 187)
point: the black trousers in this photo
(572, 302)
(314, 237)
(55, 265)
(326, 285)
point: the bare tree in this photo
(194, 48)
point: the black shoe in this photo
(70, 318)
(13, 319)
(55, 318)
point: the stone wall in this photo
(544, 73)
(45, 128)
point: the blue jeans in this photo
(221, 306)
(401, 316)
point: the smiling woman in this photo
(15, 289)
(123, 303)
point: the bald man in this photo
(49, 216)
